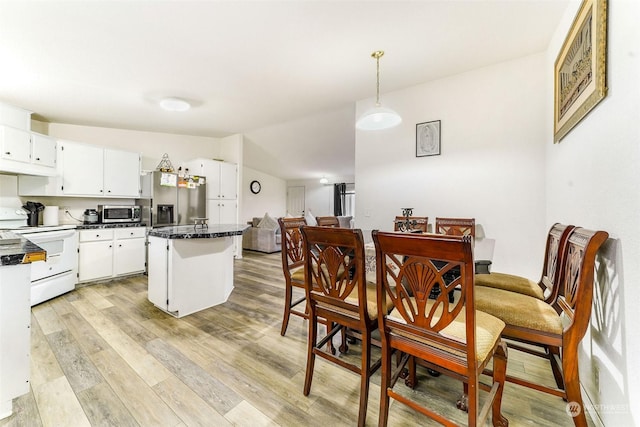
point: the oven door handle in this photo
(49, 236)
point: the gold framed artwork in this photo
(580, 68)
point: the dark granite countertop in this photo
(111, 225)
(199, 232)
(19, 250)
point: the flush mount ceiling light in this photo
(378, 117)
(324, 180)
(174, 104)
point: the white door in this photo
(95, 260)
(82, 169)
(44, 150)
(228, 180)
(129, 256)
(228, 211)
(16, 144)
(121, 173)
(295, 200)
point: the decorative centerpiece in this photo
(408, 224)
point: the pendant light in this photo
(378, 117)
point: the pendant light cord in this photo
(377, 54)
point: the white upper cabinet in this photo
(89, 170)
(222, 177)
(43, 150)
(121, 173)
(16, 144)
(82, 169)
(25, 152)
(15, 117)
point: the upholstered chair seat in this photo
(510, 282)
(519, 310)
(488, 331)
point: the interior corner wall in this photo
(491, 165)
(271, 199)
(593, 181)
(152, 145)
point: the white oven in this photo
(58, 274)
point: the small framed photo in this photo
(428, 139)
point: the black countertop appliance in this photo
(33, 212)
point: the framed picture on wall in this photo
(428, 138)
(580, 68)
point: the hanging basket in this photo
(165, 164)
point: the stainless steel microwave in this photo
(112, 213)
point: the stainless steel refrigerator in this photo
(168, 199)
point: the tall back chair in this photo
(557, 327)
(327, 221)
(416, 223)
(337, 291)
(452, 338)
(545, 289)
(456, 226)
(292, 266)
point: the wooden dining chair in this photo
(416, 223)
(555, 328)
(545, 288)
(453, 338)
(327, 221)
(292, 267)
(456, 226)
(337, 291)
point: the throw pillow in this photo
(311, 220)
(268, 222)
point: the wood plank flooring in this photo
(103, 355)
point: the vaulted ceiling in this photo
(286, 73)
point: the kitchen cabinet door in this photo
(82, 171)
(222, 211)
(16, 144)
(43, 150)
(158, 279)
(129, 256)
(121, 173)
(95, 260)
(228, 180)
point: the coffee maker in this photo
(33, 213)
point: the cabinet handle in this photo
(108, 191)
(119, 246)
(8, 153)
(110, 246)
(97, 235)
(38, 158)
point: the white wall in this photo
(272, 197)
(593, 178)
(491, 163)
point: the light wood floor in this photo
(104, 355)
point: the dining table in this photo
(482, 251)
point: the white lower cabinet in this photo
(129, 254)
(110, 252)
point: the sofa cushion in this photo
(268, 223)
(310, 218)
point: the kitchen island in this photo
(16, 256)
(191, 267)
